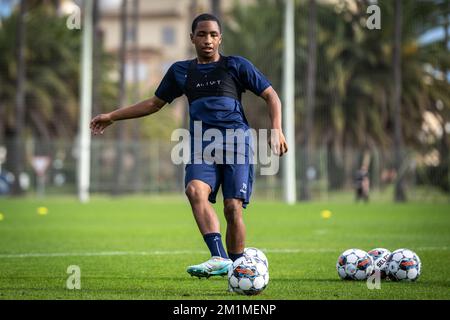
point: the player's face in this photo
(207, 39)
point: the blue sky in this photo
(432, 35)
(6, 7)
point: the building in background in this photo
(163, 35)
(163, 38)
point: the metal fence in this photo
(148, 170)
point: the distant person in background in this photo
(362, 184)
(5, 186)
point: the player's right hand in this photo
(100, 122)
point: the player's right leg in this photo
(198, 193)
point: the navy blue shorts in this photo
(236, 179)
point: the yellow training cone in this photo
(326, 214)
(42, 211)
(2, 217)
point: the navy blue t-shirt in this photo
(214, 112)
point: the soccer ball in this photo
(248, 276)
(403, 264)
(255, 252)
(354, 264)
(380, 257)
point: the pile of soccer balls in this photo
(356, 264)
(249, 274)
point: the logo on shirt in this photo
(243, 188)
(208, 83)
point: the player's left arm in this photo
(278, 141)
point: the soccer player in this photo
(213, 84)
(362, 184)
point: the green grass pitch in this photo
(138, 248)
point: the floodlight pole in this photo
(86, 105)
(289, 180)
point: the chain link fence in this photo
(149, 170)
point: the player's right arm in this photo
(140, 109)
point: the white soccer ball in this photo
(380, 257)
(354, 264)
(404, 264)
(255, 252)
(248, 276)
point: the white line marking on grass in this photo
(96, 254)
(179, 252)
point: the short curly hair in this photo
(205, 17)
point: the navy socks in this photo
(214, 243)
(235, 256)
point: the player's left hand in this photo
(278, 143)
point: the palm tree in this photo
(51, 54)
(400, 195)
(252, 39)
(305, 193)
(18, 148)
(97, 50)
(120, 128)
(52, 68)
(137, 177)
(342, 110)
(445, 145)
(445, 142)
(353, 109)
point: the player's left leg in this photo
(236, 188)
(235, 236)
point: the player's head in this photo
(205, 17)
(206, 35)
